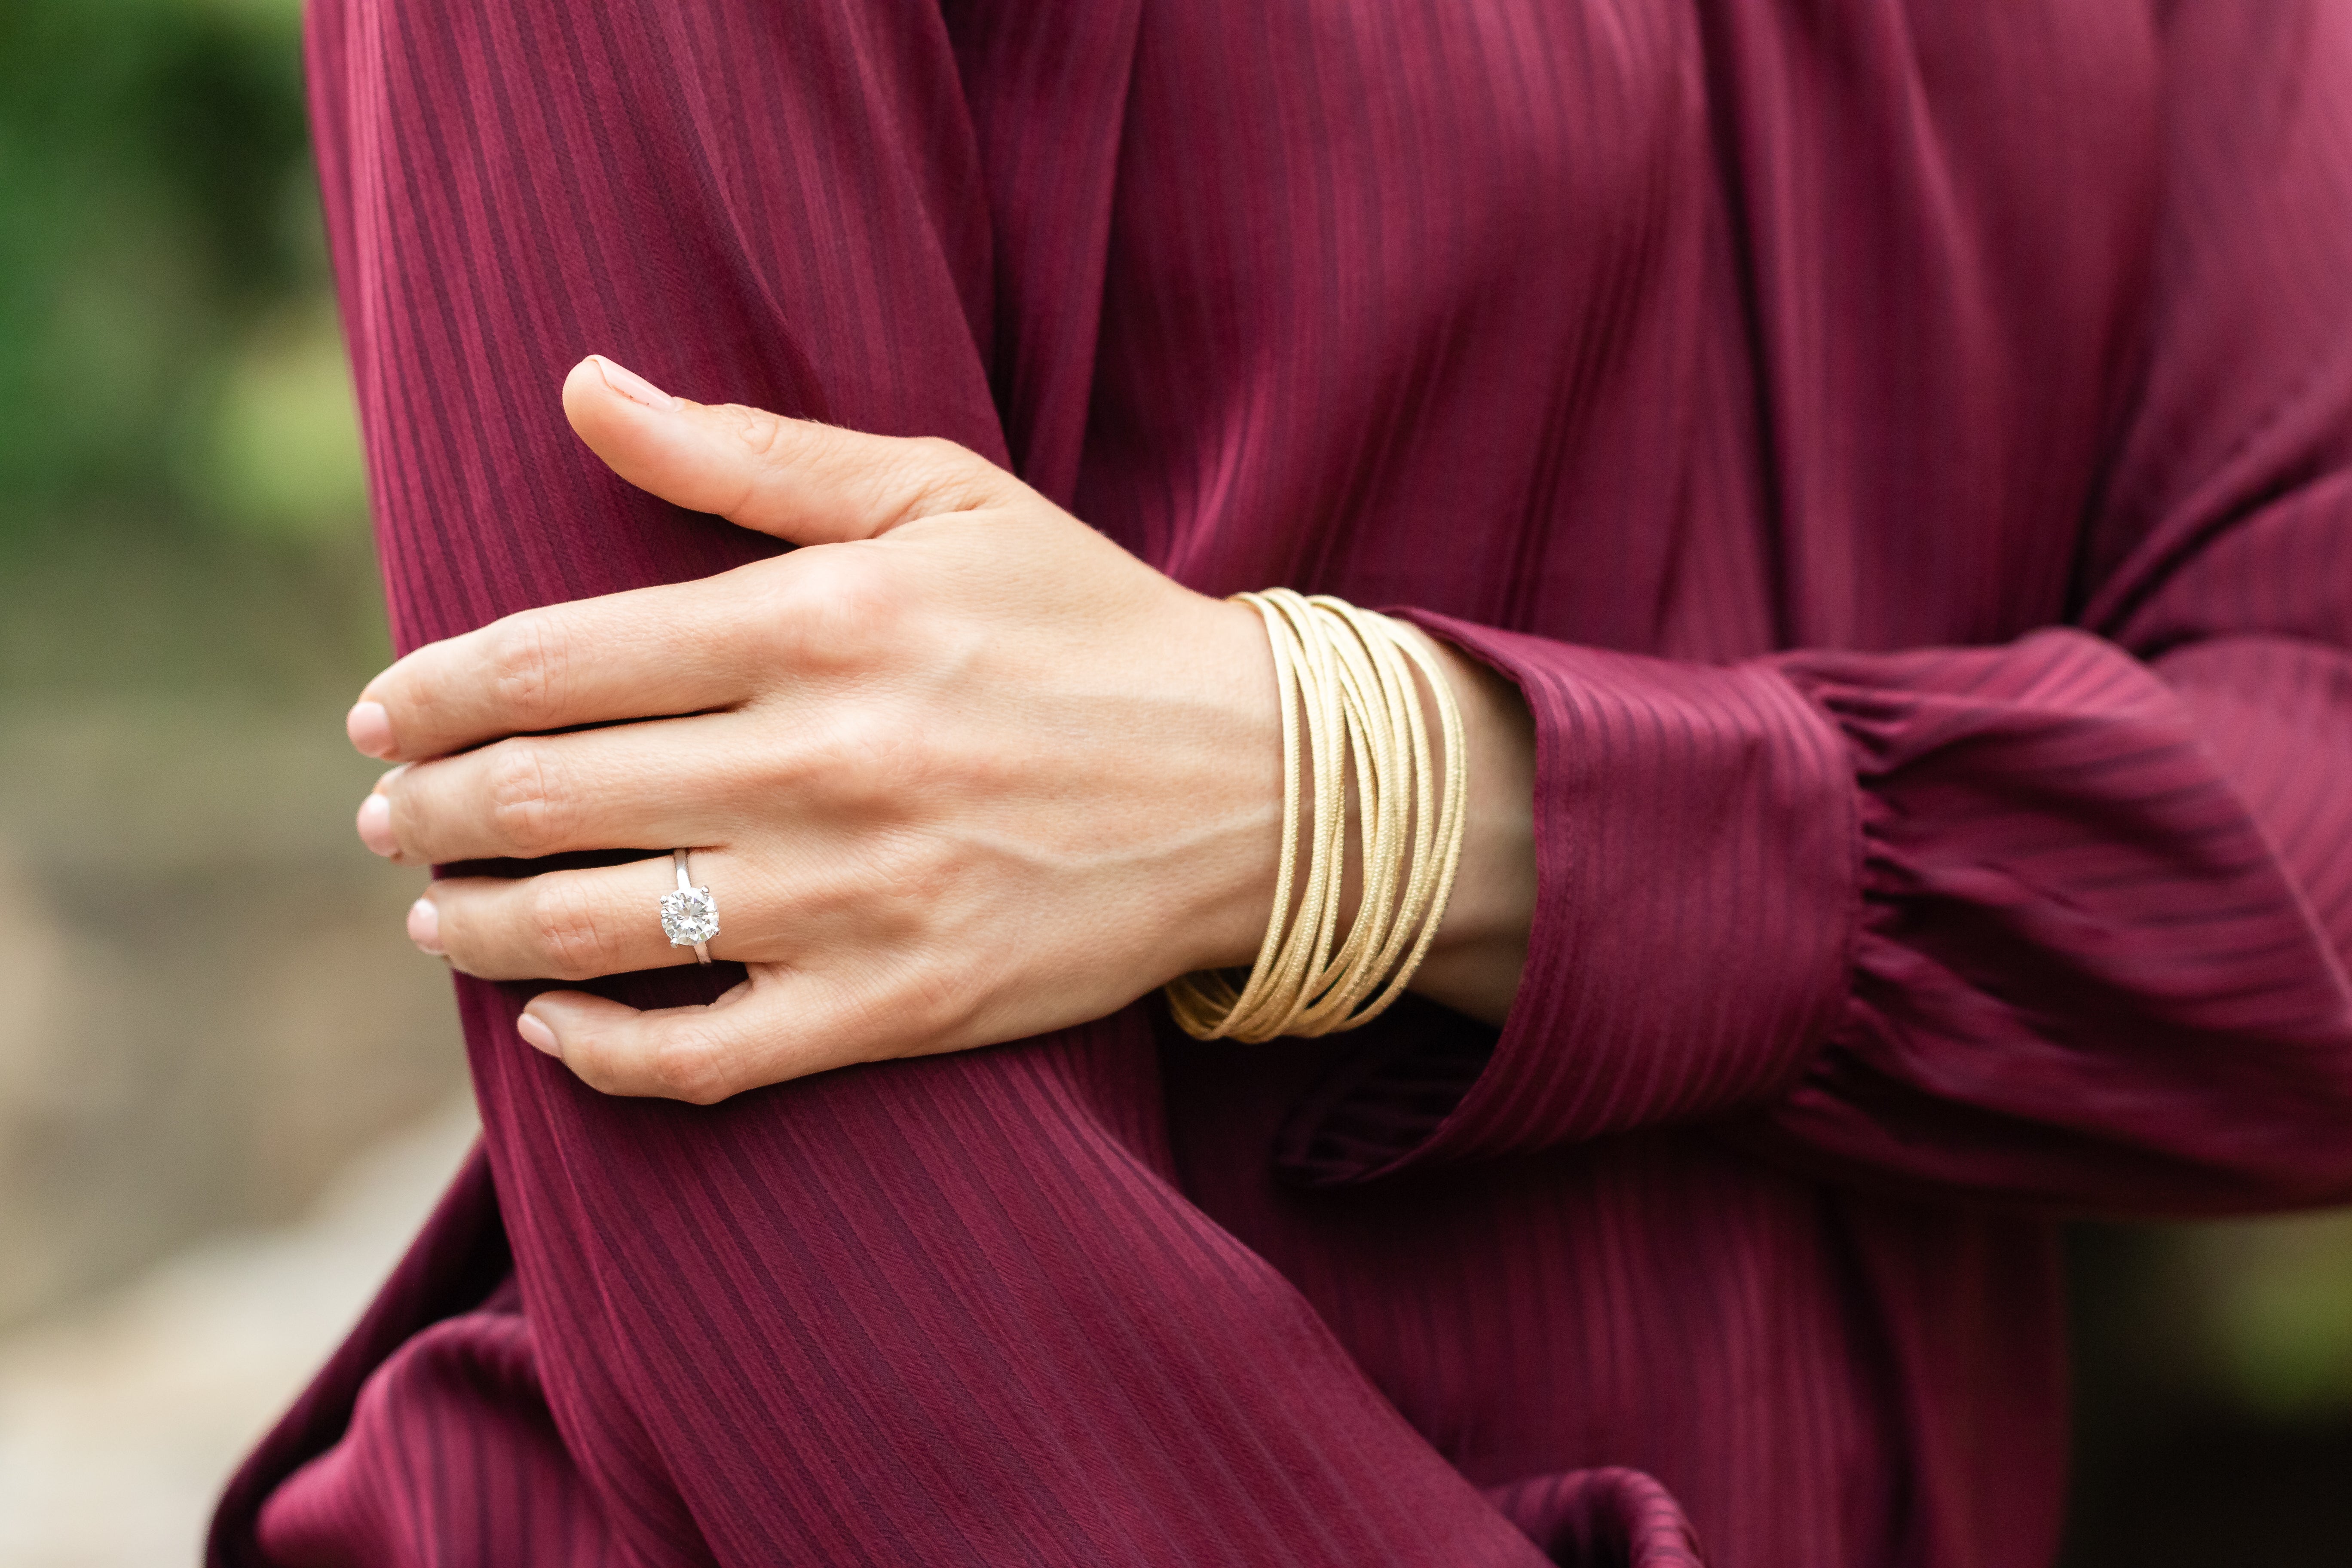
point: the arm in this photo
(783, 1320)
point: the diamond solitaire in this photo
(689, 916)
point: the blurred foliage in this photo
(166, 363)
(181, 501)
(2213, 1393)
(2277, 1310)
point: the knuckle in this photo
(845, 607)
(566, 934)
(757, 431)
(864, 758)
(936, 1002)
(941, 456)
(950, 476)
(526, 807)
(861, 589)
(591, 1058)
(687, 1062)
(528, 665)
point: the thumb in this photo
(795, 479)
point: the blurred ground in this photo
(120, 1420)
(208, 1017)
(208, 1004)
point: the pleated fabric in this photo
(1902, 452)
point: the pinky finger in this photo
(746, 1038)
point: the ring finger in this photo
(579, 925)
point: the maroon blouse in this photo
(1904, 452)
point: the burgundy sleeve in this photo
(2063, 920)
(944, 1312)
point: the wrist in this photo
(1476, 954)
(1475, 960)
(1240, 812)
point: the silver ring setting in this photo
(689, 917)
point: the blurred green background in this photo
(205, 1007)
(176, 406)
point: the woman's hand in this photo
(963, 772)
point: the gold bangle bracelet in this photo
(1347, 681)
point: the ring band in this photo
(689, 917)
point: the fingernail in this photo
(631, 385)
(375, 826)
(536, 1034)
(424, 927)
(369, 727)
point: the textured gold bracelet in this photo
(1345, 681)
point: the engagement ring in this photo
(689, 916)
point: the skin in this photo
(960, 771)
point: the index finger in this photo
(649, 653)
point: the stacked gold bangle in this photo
(1345, 678)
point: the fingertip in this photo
(369, 725)
(614, 410)
(374, 824)
(424, 927)
(596, 373)
(574, 1012)
(537, 1035)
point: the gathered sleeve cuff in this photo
(1697, 848)
(2042, 922)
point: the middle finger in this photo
(630, 786)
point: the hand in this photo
(961, 772)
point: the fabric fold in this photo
(2088, 974)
